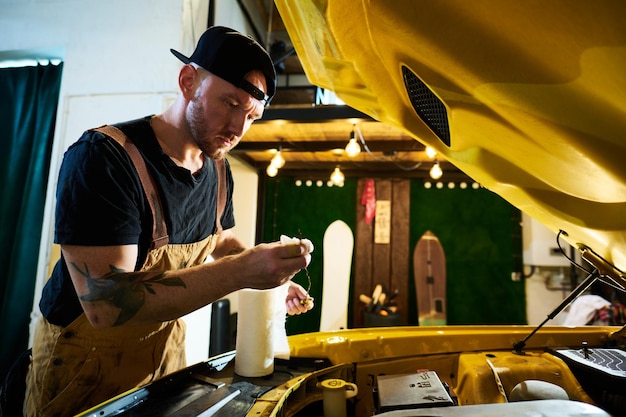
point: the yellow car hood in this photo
(526, 97)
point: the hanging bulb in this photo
(436, 172)
(278, 161)
(337, 177)
(271, 170)
(430, 152)
(353, 148)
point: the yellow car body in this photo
(533, 95)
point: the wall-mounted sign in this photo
(382, 224)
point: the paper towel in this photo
(261, 334)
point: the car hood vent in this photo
(427, 105)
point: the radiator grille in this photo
(427, 105)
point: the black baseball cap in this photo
(231, 55)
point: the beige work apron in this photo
(77, 367)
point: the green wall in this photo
(310, 210)
(479, 231)
(481, 236)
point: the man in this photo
(139, 208)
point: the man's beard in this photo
(196, 122)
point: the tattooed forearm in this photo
(124, 290)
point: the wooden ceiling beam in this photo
(397, 166)
(324, 146)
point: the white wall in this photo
(548, 281)
(117, 66)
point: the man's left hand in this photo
(298, 301)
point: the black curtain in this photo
(28, 105)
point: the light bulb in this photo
(430, 152)
(278, 161)
(337, 177)
(271, 170)
(436, 172)
(353, 148)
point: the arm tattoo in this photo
(124, 290)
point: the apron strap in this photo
(220, 166)
(159, 228)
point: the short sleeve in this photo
(99, 197)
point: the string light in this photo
(278, 161)
(436, 172)
(353, 148)
(337, 177)
(271, 170)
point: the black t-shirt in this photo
(100, 202)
